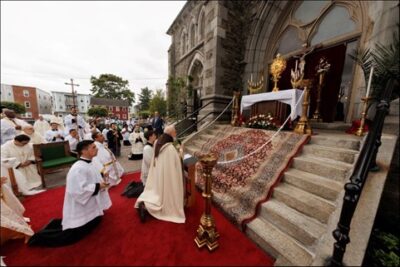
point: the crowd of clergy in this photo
(91, 177)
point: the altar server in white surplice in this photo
(106, 162)
(20, 149)
(163, 195)
(54, 134)
(41, 126)
(86, 198)
(10, 125)
(136, 138)
(75, 121)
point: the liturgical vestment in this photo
(22, 154)
(105, 161)
(163, 194)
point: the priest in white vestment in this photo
(13, 224)
(75, 121)
(41, 126)
(86, 198)
(163, 195)
(25, 164)
(106, 162)
(10, 126)
(35, 137)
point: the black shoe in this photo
(142, 212)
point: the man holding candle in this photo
(85, 200)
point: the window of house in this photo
(116, 108)
(25, 93)
(9, 93)
(29, 114)
(82, 108)
(27, 104)
(39, 96)
(81, 100)
(124, 116)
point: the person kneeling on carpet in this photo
(163, 195)
(85, 200)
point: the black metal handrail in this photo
(365, 163)
(195, 112)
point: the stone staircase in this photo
(295, 218)
(291, 223)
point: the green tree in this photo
(158, 103)
(112, 87)
(144, 99)
(97, 112)
(18, 108)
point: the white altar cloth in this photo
(290, 97)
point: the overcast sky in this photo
(44, 44)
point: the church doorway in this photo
(195, 86)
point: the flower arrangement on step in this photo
(262, 121)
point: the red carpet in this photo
(122, 240)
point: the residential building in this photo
(116, 108)
(36, 101)
(64, 101)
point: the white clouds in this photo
(44, 44)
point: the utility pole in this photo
(73, 91)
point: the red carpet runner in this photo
(122, 240)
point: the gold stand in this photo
(277, 67)
(207, 233)
(235, 109)
(360, 131)
(303, 126)
(317, 114)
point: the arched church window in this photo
(337, 22)
(192, 35)
(309, 11)
(201, 25)
(289, 41)
(183, 43)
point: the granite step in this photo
(334, 141)
(299, 226)
(315, 184)
(278, 244)
(328, 168)
(339, 154)
(304, 202)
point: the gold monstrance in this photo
(277, 67)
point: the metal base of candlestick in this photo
(207, 234)
(303, 127)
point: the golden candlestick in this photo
(303, 126)
(322, 68)
(207, 234)
(235, 108)
(255, 87)
(360, 130)
(277, 67)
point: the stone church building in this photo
(222, 44)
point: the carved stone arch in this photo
(197, 58)
(201, 23)
(352, 7)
